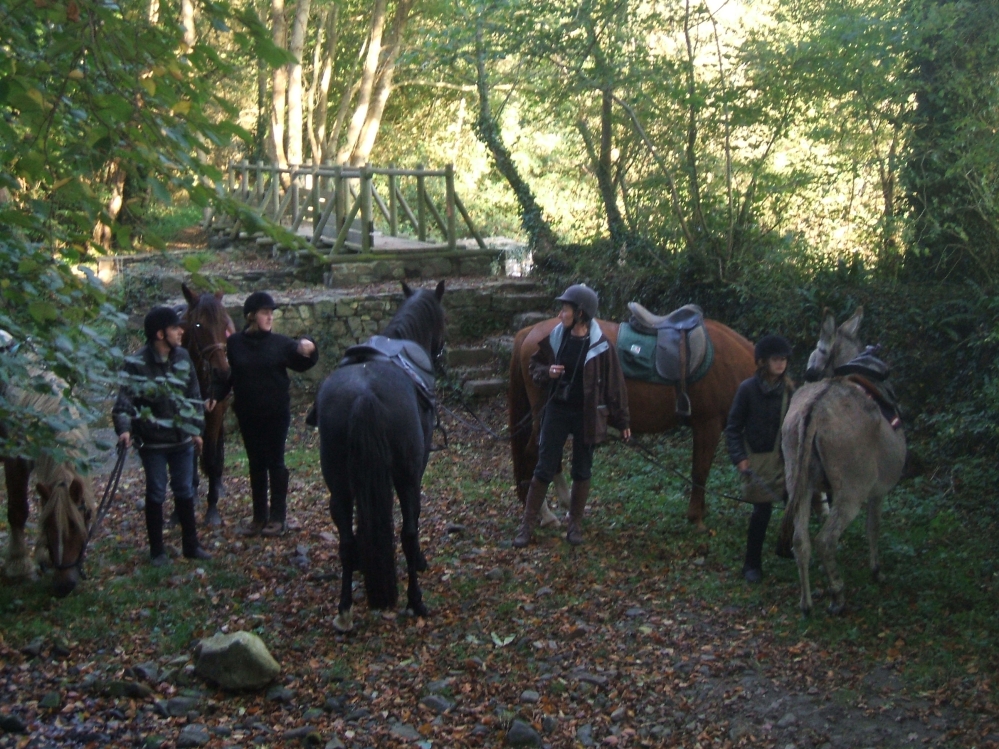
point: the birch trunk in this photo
(279, 87)
(296, 45)
(368, 76)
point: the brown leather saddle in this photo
(682, 345)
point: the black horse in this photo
(375, 419)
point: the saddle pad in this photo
(638, 354)
(668, 344)
(408, 355)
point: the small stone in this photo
(60, 650)
(335, 743)
(495, 574)
(193, 734)
(522, 734)
(618, 715)
(437, 703)
(177, 707)
(545, 591)
(155, 741)
(589, 678)
(406, 732)
(50, 701)
(739, 729)
(438, 686)
(281, 695)
(530, 697)
(549, 723)
(222, 731)
(480, 730)
(34, 648)
(334, 705)
(149, 672)
(298, 733)
(313, 713)
(584, 735)
(11, 723)
(789, 719)
(634, 611)
(454, 528)
(358, 714)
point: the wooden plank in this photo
(468, 222)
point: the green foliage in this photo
(87, 88)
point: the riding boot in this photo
(258, 490)
(577, 503)
(189, 530)
(154, 530)
(279, 503)
(532, 507)
(752, 568)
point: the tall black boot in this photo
(578, 493)
(279, 502)
(752, 568)
(189, 530)
(154, 531)
(258, 490)
(532, 507)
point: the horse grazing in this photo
(67, 504)
(836, 438)
(375, 424)
(207, 325)
(652, 406)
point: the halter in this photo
(204, 364)
(109, 491)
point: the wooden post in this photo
(295, 208)
(244, 193)
(230, 181)
(315, 197)
(393, 207)
(338, 196)
(367, 222)
(452, 239)
(421, 200)
(276, 195)
(258, 186)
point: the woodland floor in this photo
(644, 636)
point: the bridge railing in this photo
(333, 198)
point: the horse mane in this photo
(61, 509)
(76, 439)
(411, 320)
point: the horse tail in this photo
(519, 409)
(370, 479)
(798, 483)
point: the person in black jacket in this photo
(752, 435)
(164, 419)
(259, 361)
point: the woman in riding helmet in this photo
(752, 435)
(259, 360)
(586, 393)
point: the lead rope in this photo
(110, 489)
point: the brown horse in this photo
(67, 502)
(652, 406)
(207, 325)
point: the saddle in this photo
(870, 374)
(683, 348)
(408, 355)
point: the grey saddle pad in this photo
(408, 355)
(681, 327)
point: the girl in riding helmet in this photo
(752, 435)
(259, 360)
(586, 392)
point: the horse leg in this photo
(873, 530)
(843, 511)
(342, 512)
(19, 562)
(214, 461)
(408, 489)
(802, 554)
(706, 436)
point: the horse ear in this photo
(189, 295)
(43, 492)
(828, 326)
(406, 290)
(851, 326)
(76, 491)
(439, 291)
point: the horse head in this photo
(836, 346)
(67, 508)
(422, 320)
(207, 325)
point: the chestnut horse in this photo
(206, 327)
(652, 406)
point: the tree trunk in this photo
(187, 24)
(296, 45)
(279, 87)
(115, 180)
(153, 14)
(602, 167)
(368, 76)
(322, 109)
(542, 239)
(383, 88)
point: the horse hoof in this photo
(212, 516)
(344, 622)
(419, 610)
(421, 563)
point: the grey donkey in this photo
(835, 439)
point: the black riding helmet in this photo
(258, 300)
(159, 318)
(772, 345)
(583, 297)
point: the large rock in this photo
(236, 661)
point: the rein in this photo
(110, 490)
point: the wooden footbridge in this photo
(336, 207)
